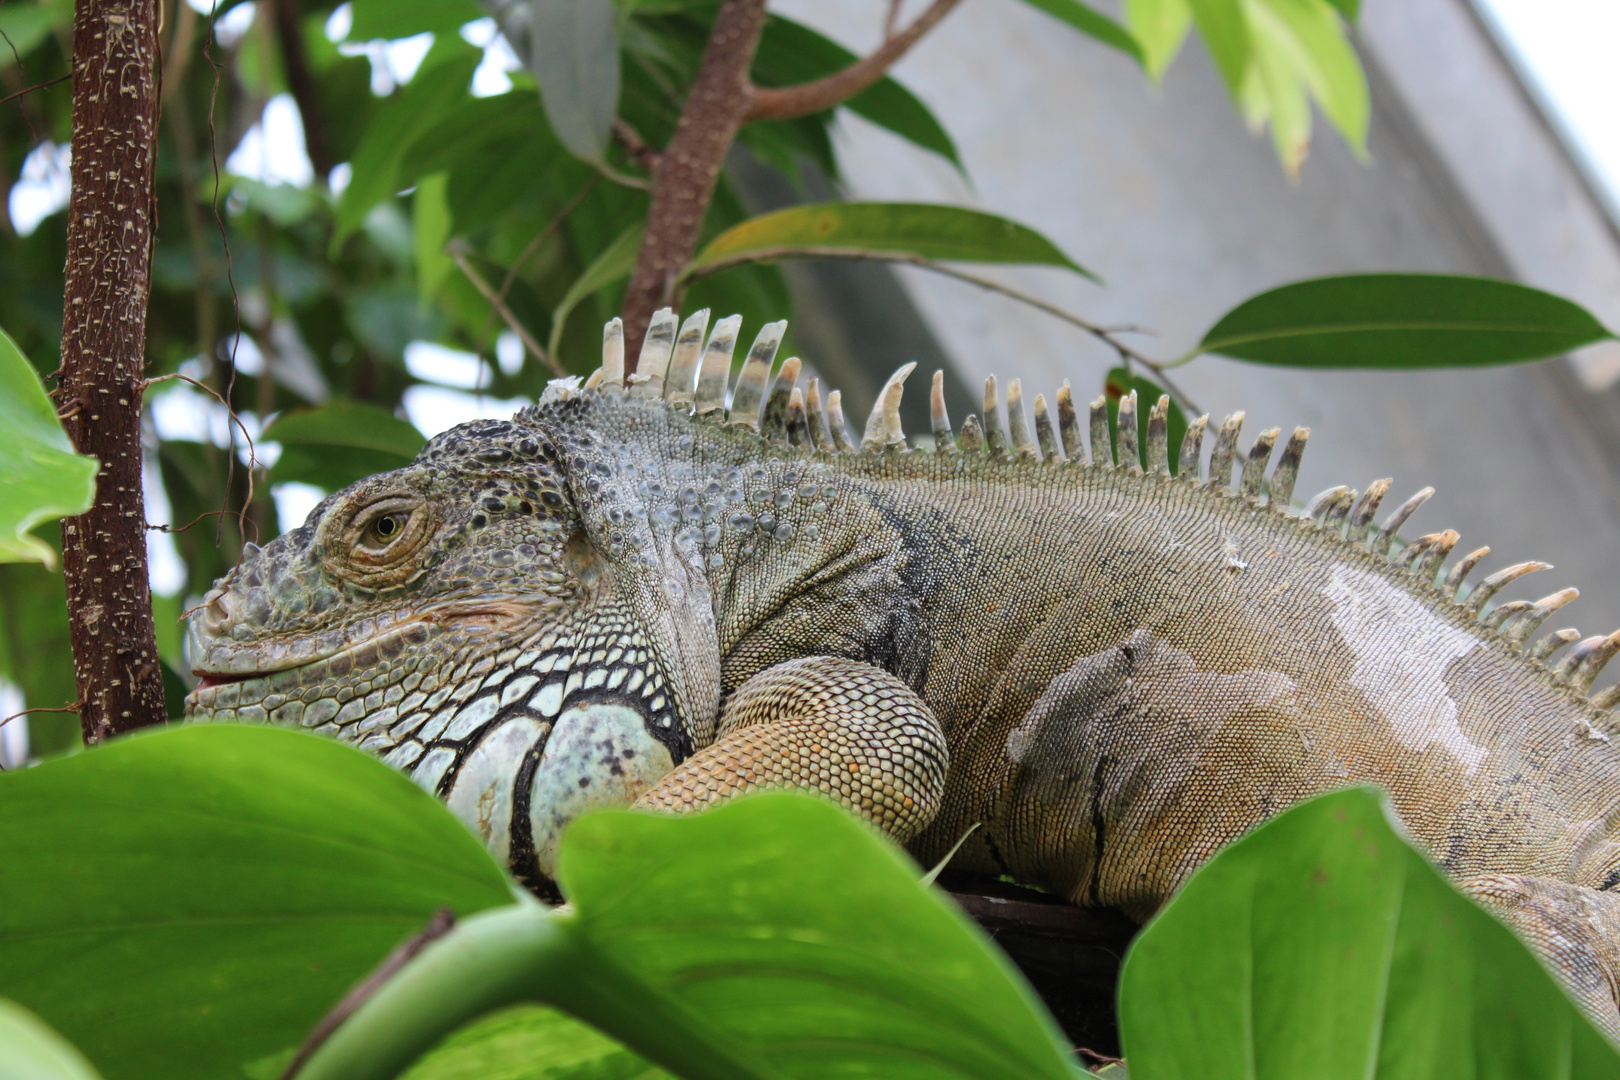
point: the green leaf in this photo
(1401, 321)
(1300, 46)
(1093, 24)
(396, 126)
(1119, 382)
(335, 445)
(531, 1042)
(1226, 31)
(40, 476)
(181, 903)
(30, 1050)
(574, 54)
(1350, 9)
(891, 231)
(1161, 26)
(406, 18)
(1322, 945)
(430, 231)
(790, 53)
(802, 945)
(613, 264)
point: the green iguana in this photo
(639, 594)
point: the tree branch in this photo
(301, 82)
(786, 102)
(459, 253)
(109, 600)
(715, 110)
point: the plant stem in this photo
(109, 239)
(715, 111)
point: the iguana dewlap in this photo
(641, 595)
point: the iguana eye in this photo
(386, 527)
(382, 541)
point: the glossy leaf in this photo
(1093, 24)
(41, 477)
(1119, 382)
(333, 446)
(1323, 945)
(1401, 321)
(531, 1042)
(880, 231)
(802, 946)
(612, 265)
(407, 18)
(574, 54)
(30, 1050)
(790, 53)
(181, 903)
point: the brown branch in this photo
(75, 707)
(459, 254)
(716, 109)
(110, 220)
(301, 83)
(786, 102)
(441, 924)
(36, 86)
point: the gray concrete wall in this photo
(1163, 192)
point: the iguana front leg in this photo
(845, 729)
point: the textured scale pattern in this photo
(671, 588)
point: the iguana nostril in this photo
(216, 615)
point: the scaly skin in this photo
(610, 599)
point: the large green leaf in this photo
(1401, 321)
(1093, 24)
(774, 936)
(180, 903)
(333, 446)
(40, 475)
(790, 53)
(1323, 946)
(880, 231)
(531, 1042)
(612, 265)
(574, 54)
(30, 1050)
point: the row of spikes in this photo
(676, 365)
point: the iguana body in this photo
(614, 599)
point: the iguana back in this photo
(647, 594)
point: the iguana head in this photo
(524, 616)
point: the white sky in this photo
(1570, 52)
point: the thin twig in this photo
(786, 102)
(1101, 333)
(634, 145)
(36, 86)
(75, 707)
(438, 926)
(893, 19)
(458, 252)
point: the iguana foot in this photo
(1576, 929)
(825, 724)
